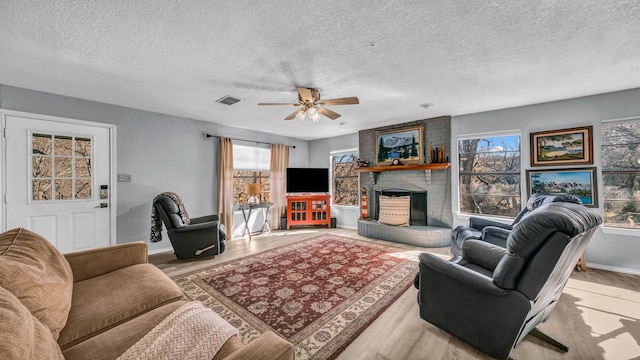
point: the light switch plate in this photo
(124, 177)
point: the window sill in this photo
(345, 206)
(620, 231)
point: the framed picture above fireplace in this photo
(402, 145)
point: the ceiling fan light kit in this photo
(312, 106)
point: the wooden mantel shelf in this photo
(434, 166)
(376, 170)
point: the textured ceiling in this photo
(178, 57)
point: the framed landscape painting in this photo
(577, 182)
(404, 144)
(572, 146)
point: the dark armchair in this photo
(496, 232)
(492, 297)
(190, 237)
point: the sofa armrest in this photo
(267, 346)
(90, 263)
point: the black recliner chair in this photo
(496, 232)
(201, 237)
(492, 297)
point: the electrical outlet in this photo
(124, 177)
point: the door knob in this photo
(103, 205)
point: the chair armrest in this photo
(267, 346)
(452, 272)
(495, 235)
(197, 227)
(479, 223)
(483, 253)
(90, 263)
(203, 219)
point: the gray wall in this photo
(609, 248)
(161, 152)
(319, 152)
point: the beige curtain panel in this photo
(278, 173)
(225, 184)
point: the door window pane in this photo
(63, 145)
(61, 167)
(41, 189)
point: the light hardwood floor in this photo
(597, 316)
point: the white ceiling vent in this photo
(228, 100)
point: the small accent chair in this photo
(492, 297)
(203, 236)
(496, 232)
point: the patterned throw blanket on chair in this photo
(191, 332)
(156, 222)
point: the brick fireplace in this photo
(434, 184)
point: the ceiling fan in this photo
(311, 105)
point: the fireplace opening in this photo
(418, 204)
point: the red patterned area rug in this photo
(319, 294)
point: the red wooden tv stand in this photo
(308, 209)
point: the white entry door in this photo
(58, 181)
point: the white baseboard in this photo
(161, 250)
(613, 268)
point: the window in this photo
(60, 167)
(250, 166)
(344, 178)
(490, 175)
(621, 173)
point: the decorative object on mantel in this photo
(362, 163)
(438, 155)
(404, 144)
(396, 162)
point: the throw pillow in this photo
(394, 210)
(38, 275)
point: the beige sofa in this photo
(92, 304)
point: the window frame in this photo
(355, 153)
(257, 175)
(607, 227)
(516, 175)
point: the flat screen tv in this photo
(307, 180)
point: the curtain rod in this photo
(252, 141)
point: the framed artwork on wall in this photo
(399, 146)
(572, 146)
(578, 182)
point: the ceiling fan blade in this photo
(342, 101)
(269, 104)
(305, 94)
(328, 113)
(293, 115)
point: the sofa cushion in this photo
(106, 301)
(40, 276)
(23, 336)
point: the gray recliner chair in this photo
(492, 297)
(200, 237)
(496, 232)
